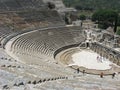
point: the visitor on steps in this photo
(100, 59)
(78, 70)
(101, 74)
(113, 75)
(97, 57)
(83, 72)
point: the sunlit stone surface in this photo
(90, 60)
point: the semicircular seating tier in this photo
(42, 44)
(13, 5)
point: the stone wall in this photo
(104, 51)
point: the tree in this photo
(51, 5)
(118, 22)
(67, 18)
(106, 18)
(82, 17)
(92, 5)
(118, 31)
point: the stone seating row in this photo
(11, 5)
(10, 74)
(50, 67)
(45, 42)
(28, 20)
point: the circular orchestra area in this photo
(88, 60)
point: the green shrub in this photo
(118, 31)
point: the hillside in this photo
(93, 4)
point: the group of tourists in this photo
(101, 74)
(78, 70)
(113, 75)
(100, 59)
